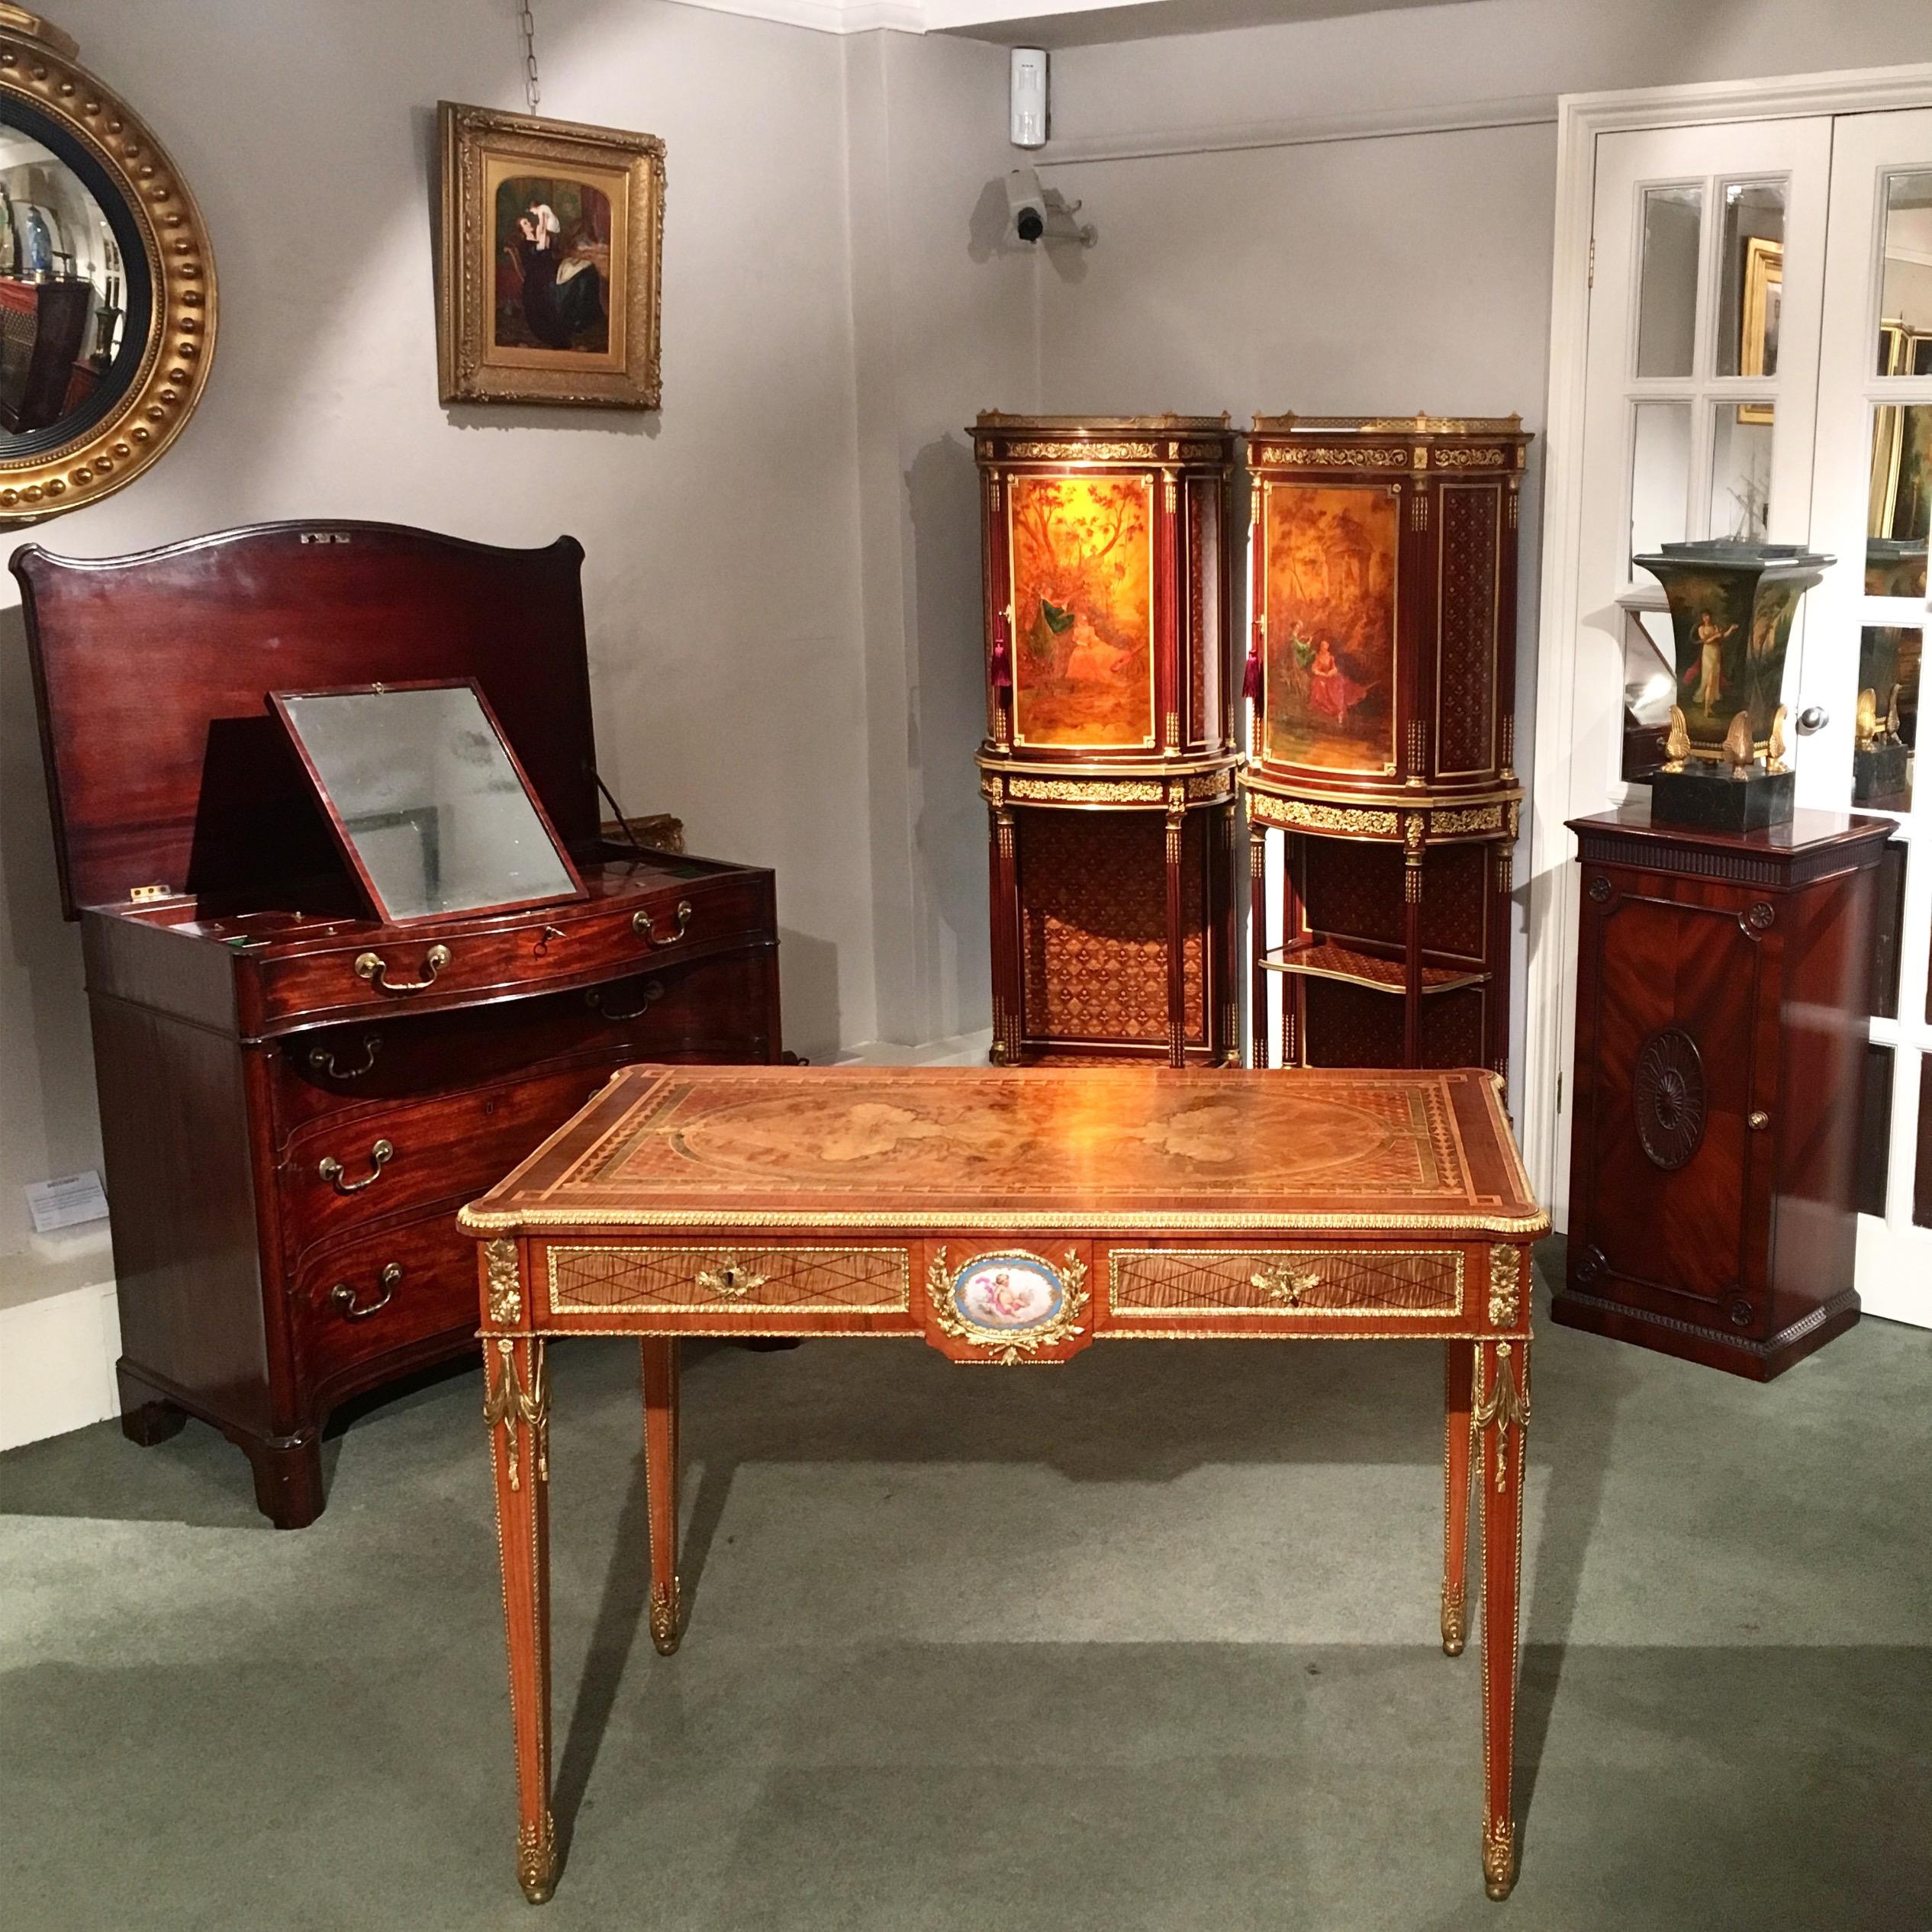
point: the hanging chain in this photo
(526, 21)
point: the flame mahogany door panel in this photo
(1722, 980)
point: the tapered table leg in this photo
(1176, 940)
(1459, 1360)
(515, 1405)
(1257, 943)
(1501, 1416)
(660, 1354)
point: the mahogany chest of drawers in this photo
(1721, 986)
(296, 1098)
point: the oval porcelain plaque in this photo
(1006, 1293)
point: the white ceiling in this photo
(1083, 23)
(1049, 23)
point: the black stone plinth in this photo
(1878, 773)
(1709, 798)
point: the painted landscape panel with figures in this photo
(1083, 610)
(1331, 614)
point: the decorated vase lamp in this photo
(1728, 766)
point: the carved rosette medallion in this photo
(1669, 1096)
(1011, 1304)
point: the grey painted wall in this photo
(722, 572)
(782, 581)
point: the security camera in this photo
(1037, 214)
(1026, 204)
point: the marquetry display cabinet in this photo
(1381, 669)
(1723, 980)
(1112, 737)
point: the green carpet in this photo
(1147, 1641)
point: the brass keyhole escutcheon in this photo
(1284, 1283)
(730, 1278)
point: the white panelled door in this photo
(1758, 364)
(1865, 635)
(1700, 388)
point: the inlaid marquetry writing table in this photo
(1009, 1216)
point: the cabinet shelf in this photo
(1323, 959)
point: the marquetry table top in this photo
(1093, 1149)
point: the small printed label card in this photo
(67, 1201)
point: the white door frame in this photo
(1550, 1007)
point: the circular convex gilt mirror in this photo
(107, 286)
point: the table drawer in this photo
(1191, 1289)
(695, 1288)
(439, 964)
(363, 1299)
(338, 1176)
(717, 1008)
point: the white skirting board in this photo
(57, 1352)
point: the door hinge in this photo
(1560, 1093)
(1591, 282)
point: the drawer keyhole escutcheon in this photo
(330, 1169)
(645, 927)
(731, 1277)
(372, 966)
(1285, 1284)
(343, 1296)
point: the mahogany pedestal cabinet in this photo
(1382, 671)
(296, 1098)
(1722, 983)
(1108, 764)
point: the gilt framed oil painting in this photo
(1330, 682)
(549, 273)
(1081, 549)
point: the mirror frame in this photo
(279, 702)
(38, 69)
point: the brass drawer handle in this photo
(372, 966)
(732, 1278)
(330, 1168)
(1287, 1284)
(642, 925)
(1758, 1122)
(595, 998)
(322, 1060)
(344, 1296)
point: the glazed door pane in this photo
(1871, 505)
